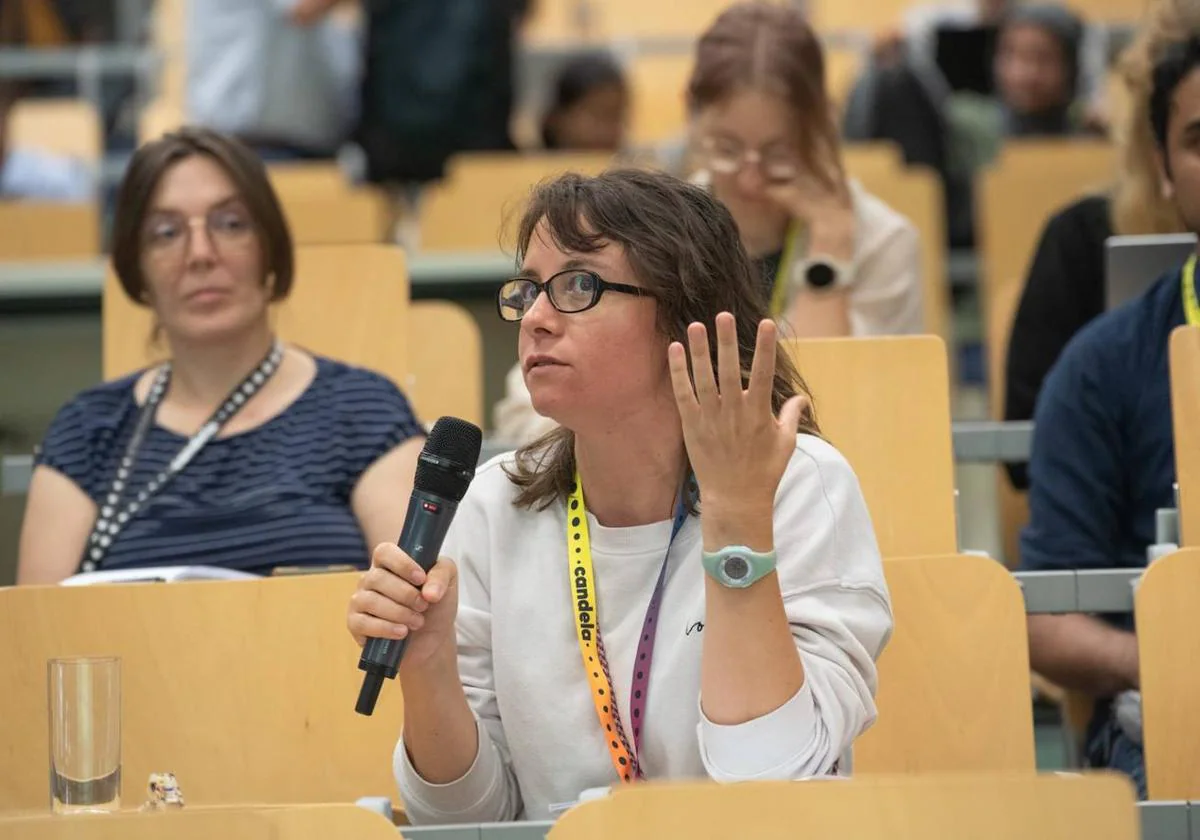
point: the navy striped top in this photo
(275, 495)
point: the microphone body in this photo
(444, 470)
(425, 528)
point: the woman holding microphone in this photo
(679, 581)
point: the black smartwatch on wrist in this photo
(821, 273)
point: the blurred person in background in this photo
(833, 260)
(589, 106)
(1037, 87)
(241, 451)
(923, 27)
(1031, 89)
(1065, 287)
(1103, 456)
(280, 75)
(438, 79)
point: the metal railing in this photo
(1079, 591)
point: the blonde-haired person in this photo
(1064, 289)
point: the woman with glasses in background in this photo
(679, 581)
(241, 451)
(835, 260)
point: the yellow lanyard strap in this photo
(591, 646)
(1191, 307)
(779, 291)
(587, 628)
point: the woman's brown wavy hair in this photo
(684, 248)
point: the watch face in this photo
(736, 568)
(820, 275)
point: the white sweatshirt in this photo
(540, 742)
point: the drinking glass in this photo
(84, 701)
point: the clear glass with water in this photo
(84, 702)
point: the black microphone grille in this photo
(447, 463)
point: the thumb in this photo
(440, 580)
(792, 411)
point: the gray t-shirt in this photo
(253, 73)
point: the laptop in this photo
(1133, 263)
(965, 54)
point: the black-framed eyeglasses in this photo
(570, 291)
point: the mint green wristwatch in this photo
(737, 566)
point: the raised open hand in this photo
(737, 446)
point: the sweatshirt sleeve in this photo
(886, 295)
(836, 599)
(488, 791)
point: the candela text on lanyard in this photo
(584, 597)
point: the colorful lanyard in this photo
(1191, 307)
(779, 290)
(112, 518)
(591, 646)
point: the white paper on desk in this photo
(160, 574)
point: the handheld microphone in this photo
(444, 471)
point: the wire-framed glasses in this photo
(728, 158)
(168, 233)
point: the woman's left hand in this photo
(737, 446)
